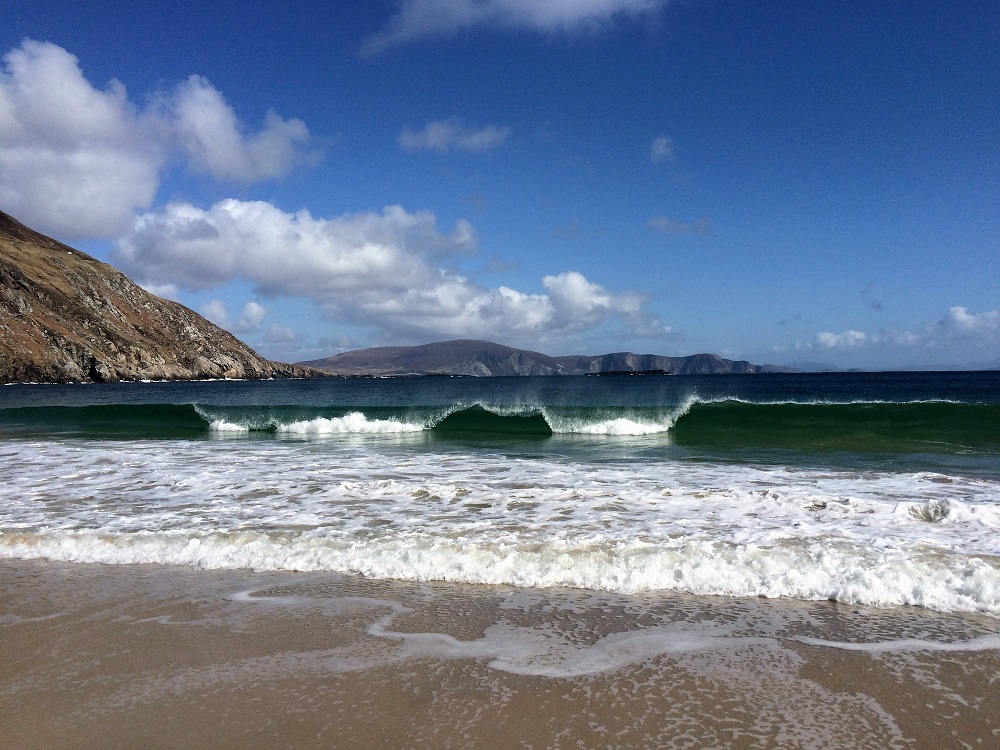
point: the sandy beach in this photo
(157, 656)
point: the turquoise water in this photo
(945, 418)
(881, 488)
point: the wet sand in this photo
(153, 656)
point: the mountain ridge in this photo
(474, 357)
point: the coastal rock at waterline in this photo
(67, 317)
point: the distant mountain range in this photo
(67, 317)
(484, 358)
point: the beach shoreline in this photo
(162, 656)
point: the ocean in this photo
(682, 504)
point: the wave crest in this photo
(354, 423)
(847, 575)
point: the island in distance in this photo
(484, 359)
(67, 317)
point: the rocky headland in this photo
(67, 317)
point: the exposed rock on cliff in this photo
(67, 317)
(484, 358)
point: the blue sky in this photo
(782, 182)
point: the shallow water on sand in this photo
(161, 656)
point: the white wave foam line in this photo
(952, 511)
(221, 425)
(623, 425)
(619, 426)
(823, 402)
(982, 643)
(847, 574)
(353, 423)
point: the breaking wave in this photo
(878, 426)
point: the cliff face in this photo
(67, 317)
(484, 358)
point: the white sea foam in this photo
(623, 425)
(548, 653)
(619, 426)
(221, 425)
(353, 423)
(948, 584)
(481, 517)
(982, 643)
(357, 423)
(820, 401)
(521, 649)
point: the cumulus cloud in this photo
(661, 149)
(422, 18)
(284, 253)
(666, 225)
(77, 161)
(74, 160)
(216, 142)
(451, 134)
(373, 269)
(959, 323)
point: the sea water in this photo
(872, 488)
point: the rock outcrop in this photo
(484, 358)
(67, 317)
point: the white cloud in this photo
(74, 160)
(369, 269)
(77, 161)
(421, 18)
(578, 303)
(450, 134)
(248, 321)
(167, 291)
(292, 254)
(661, 149)
(213, 138)
(957, 326)
(845, 340)
(278, 334)
(960, 323)
(215, 310)
(959, 336)
(251, 317)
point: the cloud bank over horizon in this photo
(957, 329)
(370, 269)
